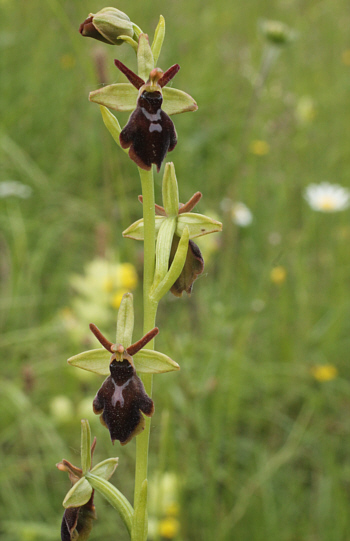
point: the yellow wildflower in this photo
(278, 275)
(117, 298)
(97, 292)
(127, 276)
(173, 509)
(259, 147)
(324, 372)
(169, 527)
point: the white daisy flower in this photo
(241, 215)
(326, 197)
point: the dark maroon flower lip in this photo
(77, 521)
(193, 267)
(122, 399)
(150, 133)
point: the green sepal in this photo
(145, 61)
(94, 360)
(163, 247)
(140, 522)
(113, 25)
(170, 191)
(79, 494)
(176, 101)
(197, 224)
(125, 321)
(148, 361)
(117, 13)
(119, 97)
(106, 468)
(175, 268)
(158, 39)
(114, 497)
(123, 97)
(85, 447)
(136, 230)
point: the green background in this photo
(260, 447)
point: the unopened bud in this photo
(107, 25)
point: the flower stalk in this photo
(149, 319)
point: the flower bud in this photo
(107, 25)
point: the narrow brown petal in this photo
(105, 343)
(168, 75)
(134, 79)
(191, 203)
(134, 348)
(159, 210)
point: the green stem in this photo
(150, 311)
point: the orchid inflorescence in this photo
(172, 262)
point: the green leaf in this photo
(139, 524)
(120, 97)
(125, 322)
(94, 360)
(158, 39)
(85, 448)
(114, 497)
(170, 190)
(148, 361)
(145, 61)
(135, 231)
(197, 224)
(79, 494)
(106, 468)
(176, 101)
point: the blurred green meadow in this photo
(251, 439)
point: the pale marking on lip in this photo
(149, 116)
(155, 127)
(118, 393)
